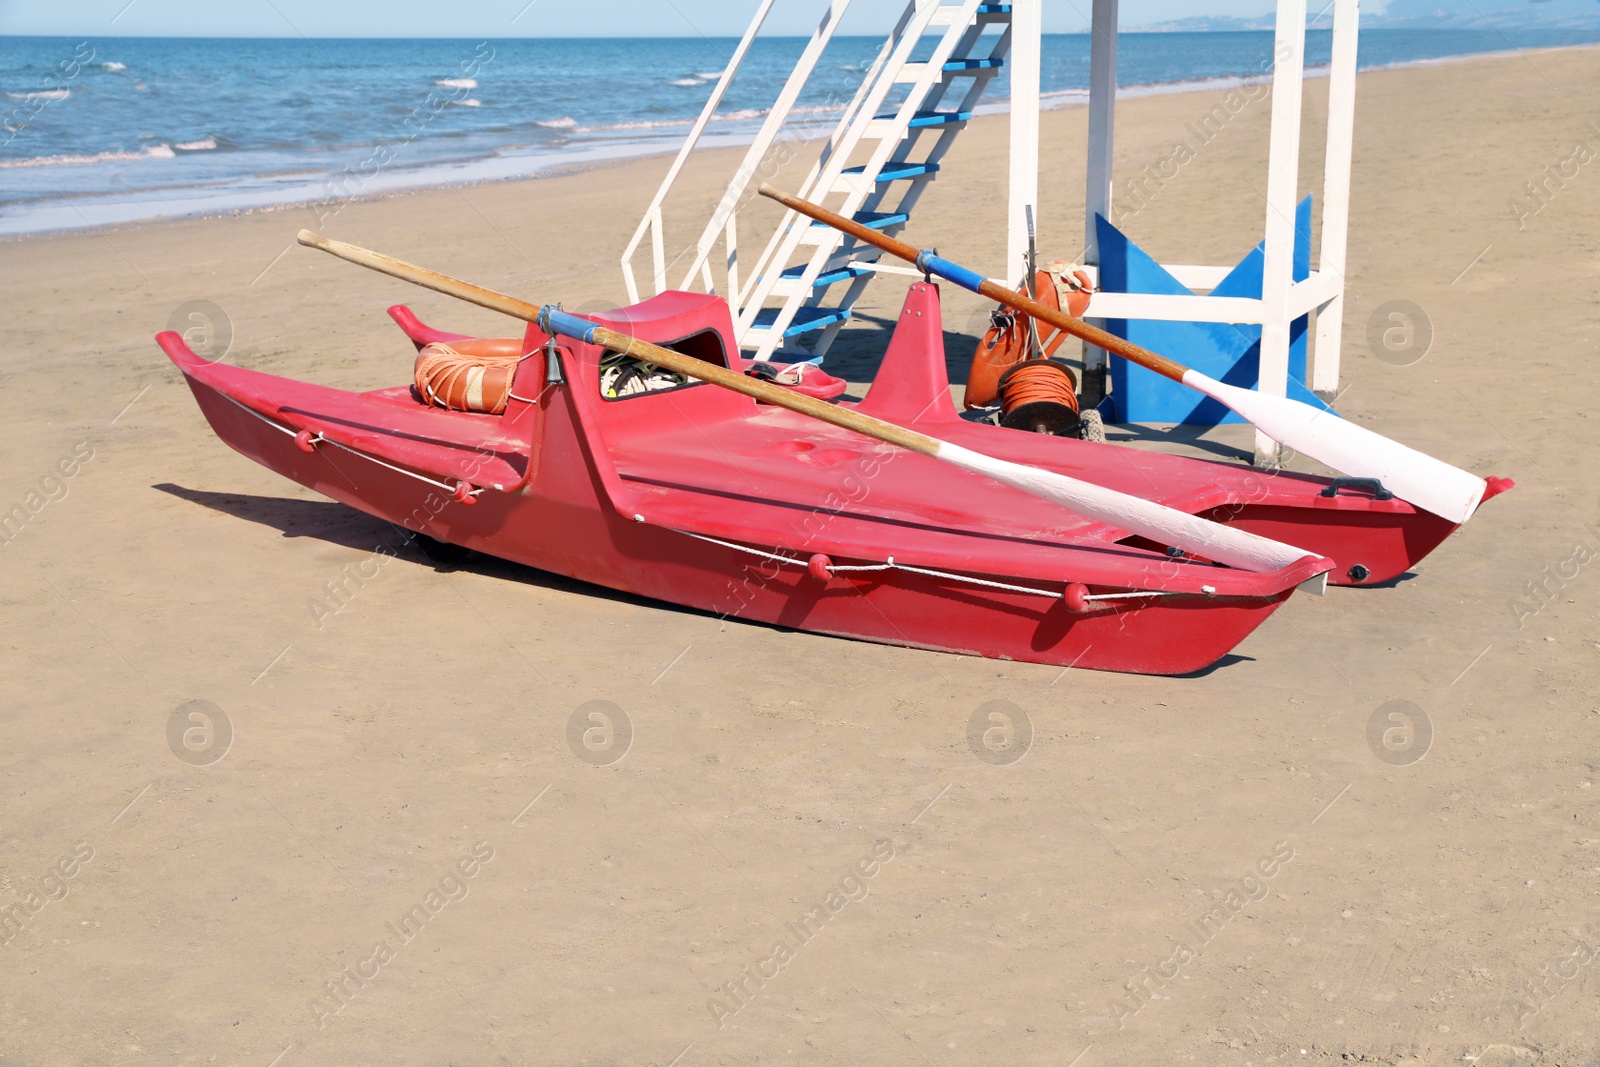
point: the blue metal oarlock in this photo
(552, 320)
(930, 262)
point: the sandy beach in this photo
(400, 860)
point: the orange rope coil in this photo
(1039, 395)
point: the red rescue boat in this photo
(702, 497)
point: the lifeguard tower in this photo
(794, 287)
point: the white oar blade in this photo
(1416, 477)
(1167, 526)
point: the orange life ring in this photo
(473, 374)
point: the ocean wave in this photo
(469, 102)
(634, 126)
(43, 94)
(159, 151)
(112, 65)
(205, 144)
(562, 123)
(741, 115)
(458, 83)
(713, 76)
(686, 82)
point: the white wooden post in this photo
(1336, 192)
(1102, 123)
(1283, 177)
(1026, 27)
(658, 261)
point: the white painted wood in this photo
(1174, 308)
(1336, 191)
(886, 268)
(750, 165)
(1309, 295)
(1354, 450)
(1283, 175)
(1314, 293)
(1197, 277)
(1168, 526)
(658, 254)
(1102, 125)
(1102, 120)
(1026, 28)
(653, 213)
(731, 243)
(827, 180)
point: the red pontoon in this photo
(701, 497)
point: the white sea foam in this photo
(711, 77)
(634, 126)
(562, 123)
(159, 151)
(458, 83)
(112, 65)
(466, 103)
(688, 82)
(43, 94)
(205, 144)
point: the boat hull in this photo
(566, 528)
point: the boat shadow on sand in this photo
(338, 524)
(342, 525)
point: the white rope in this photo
(736, 547)
(252, 411)
(891, 565)
(398, 470)
(318, 437)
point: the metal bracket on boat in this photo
(1379, 492)
(552, 363)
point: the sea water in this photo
(116, 129)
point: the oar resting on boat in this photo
(1168, 526)
(1424, 481)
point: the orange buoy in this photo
(480, 380)
(1007, 341)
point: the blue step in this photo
(924, 119)
(894, 172)
(826, 278)
(993, 9)
(973, 64)
(805, 320)
(874, 220)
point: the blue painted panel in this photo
(1226, 352)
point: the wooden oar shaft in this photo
(1165, 525)
(1000, 294)
(618, 342)
(773, 394)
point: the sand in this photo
(414, 741)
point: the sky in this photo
(511, 18)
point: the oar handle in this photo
(933, 263)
